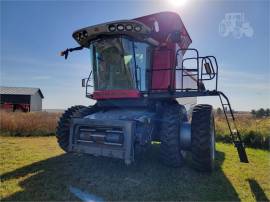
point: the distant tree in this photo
(253, 112)
(260, 113)
(267, 112)
(219, 111)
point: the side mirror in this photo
(64, 53)
(83, 83)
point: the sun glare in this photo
(178, 3)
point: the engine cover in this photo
(112, 133)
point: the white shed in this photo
(23, 96)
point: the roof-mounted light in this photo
(129, 27)
(137, 28)
(112, 28)
(120, 27)
(77, 37)
(85, 34)
(81, 35)
(132, 28)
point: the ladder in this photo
(234, 133)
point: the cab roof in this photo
(164, 23)
(154, 29)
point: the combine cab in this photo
(141, 73)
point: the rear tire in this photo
(63, 128)
(203, 138)
(170, 150)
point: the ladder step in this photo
(236, 138)
(241, 152)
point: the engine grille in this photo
(113, 136)
(109, 138)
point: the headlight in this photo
(129, 27)
(120, 27)
(112, 28)
(137, 28)
(77, 37)
(85, 34)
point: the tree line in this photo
(260, 112)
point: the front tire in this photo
(203, 138)
(63, 128)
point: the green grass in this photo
(34, 168)
(254, 132)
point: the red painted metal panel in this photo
(167, 23)
(115, 94)
(162, 79)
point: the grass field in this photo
(34, 168)
(28, 124)
(255, 132)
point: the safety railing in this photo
(206, 68)
(89, 84)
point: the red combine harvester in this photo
(140, 69)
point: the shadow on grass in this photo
(257, 190)
(110, 179)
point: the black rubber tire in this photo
(63, 128)
(183, 113)
(170, 150)
(203, 138)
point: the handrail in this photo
(197, 75)
(87, 85)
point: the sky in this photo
(34, 32)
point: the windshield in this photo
(119, 63)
